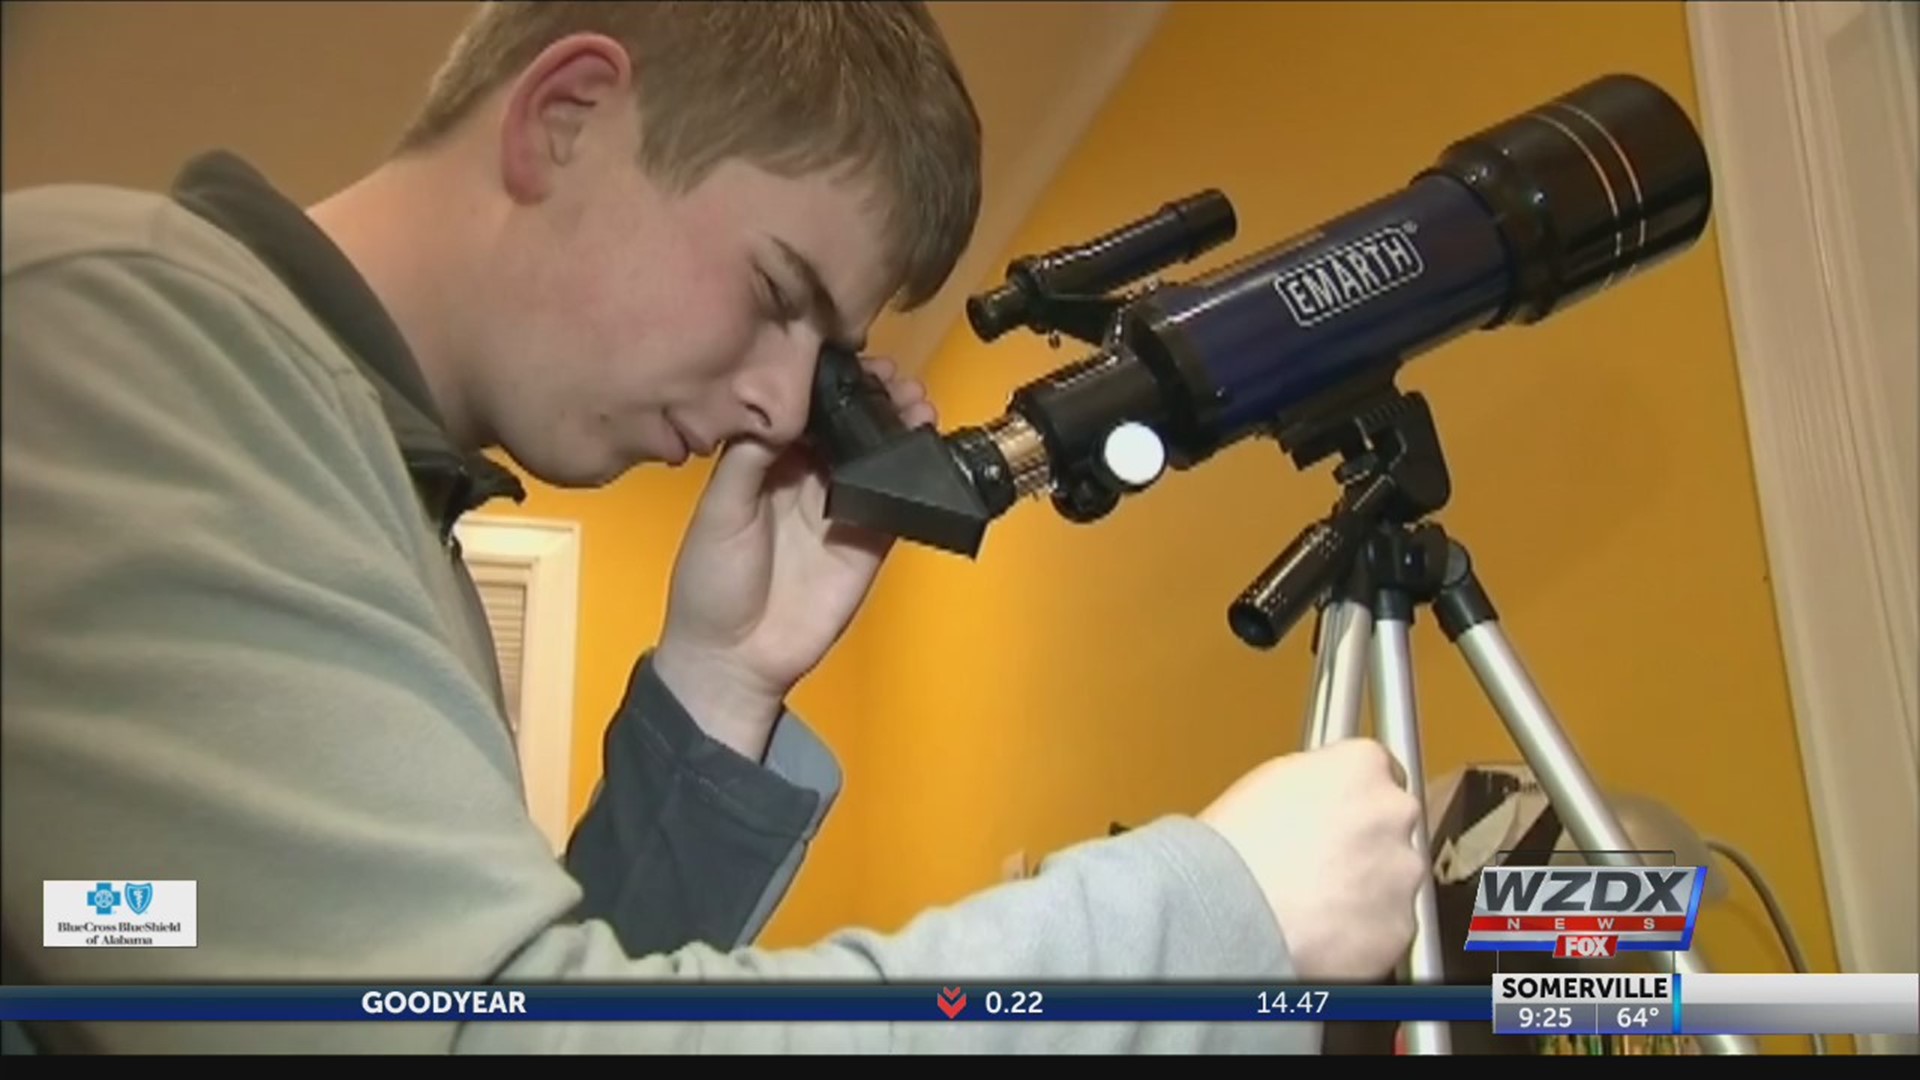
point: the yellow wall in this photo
(1080, 675)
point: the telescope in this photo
(1300, 341)
(1304, 341)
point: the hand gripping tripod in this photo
(1366, 567)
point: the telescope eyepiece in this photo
(999, 310)
(1586, 189)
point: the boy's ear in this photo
(548, 111)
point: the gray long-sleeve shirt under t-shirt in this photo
(239, 650)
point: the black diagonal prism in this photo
(912, 488)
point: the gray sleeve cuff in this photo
(797, 755)
(686, 839)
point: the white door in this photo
(1810, 115)
(528, 576)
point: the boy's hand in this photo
(764, 585)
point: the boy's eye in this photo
(776, 300)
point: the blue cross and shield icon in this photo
(103, 898)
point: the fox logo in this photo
(1585, 946)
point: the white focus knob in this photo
(1133, 454)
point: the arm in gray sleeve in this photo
(221, 665)
(686, 840)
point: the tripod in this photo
(1367, 567)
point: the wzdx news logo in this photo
(1585, 912)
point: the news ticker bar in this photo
(1515, 1004)
(760, 1002)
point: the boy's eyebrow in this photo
(821, 299)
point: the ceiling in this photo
(1039, 72)
(313, 91)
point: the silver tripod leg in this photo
(1570, 790)
(1397, 723)
(1348, 639)
(1339, 673)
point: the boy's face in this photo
(634, 324)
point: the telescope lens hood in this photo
(1587, 189)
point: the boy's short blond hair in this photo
(791, 87)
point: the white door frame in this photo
(544, 557)
(1808, 112)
